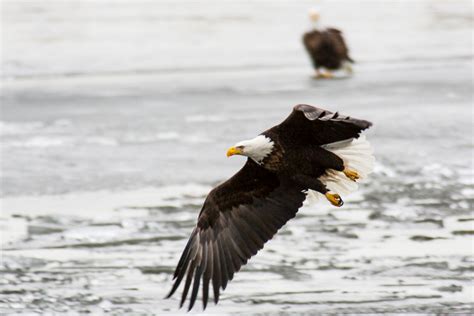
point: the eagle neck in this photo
(274, 160)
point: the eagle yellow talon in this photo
(334, 199)
(351, 174)
(324, 75)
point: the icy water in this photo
(114, 125)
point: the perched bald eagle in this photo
(313, 152)
(327, 49)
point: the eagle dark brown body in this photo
(244, 212)
(326, 48)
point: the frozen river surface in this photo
(114, 125)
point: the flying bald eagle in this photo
(313, 152)
(327, 49)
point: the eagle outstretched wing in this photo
(311, 125)
(236, 220)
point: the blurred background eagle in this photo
(327, 48)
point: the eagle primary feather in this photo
(244, 212)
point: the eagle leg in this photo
(351, 174)
(316, 185)
(326, 159)
(348, 68)
(310, 183)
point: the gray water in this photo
(114, 125)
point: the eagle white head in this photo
(256, 148)
(314, 16)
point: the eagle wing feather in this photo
(312, 125)
(337, 38)
(236, 220)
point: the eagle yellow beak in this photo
(233, 151)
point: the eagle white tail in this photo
(357, 155)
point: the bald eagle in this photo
(313, 152)
(327, 49)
